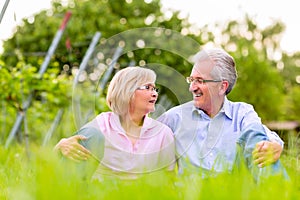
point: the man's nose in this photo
(193, 87)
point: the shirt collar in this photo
(148, 123)
(116, 123)
(225, 109)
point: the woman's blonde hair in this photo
(123, 85)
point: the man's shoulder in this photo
(156, 124)
(188, 105)
(174, 115)
(239, 105)
(93, 123)
(237, 108)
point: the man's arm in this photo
(87, 143)
(253, 137)
(72, 149)
(273, 136)
(250, 136)
(267, 152)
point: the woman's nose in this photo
(154, 93)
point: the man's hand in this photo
(70, 148)
(266, 152)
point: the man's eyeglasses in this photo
(190, 80)
(148, 87)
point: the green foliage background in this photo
(267, 75)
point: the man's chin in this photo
(197, 104)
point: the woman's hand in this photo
(70, 148)
(266, 152)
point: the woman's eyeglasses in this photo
(148, 87)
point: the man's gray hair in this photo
(224, 65)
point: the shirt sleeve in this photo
(249, 136)
(94, 142)
(273, 136)
(170, 119)
(246, 144)
(251, 117)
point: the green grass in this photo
(41, 174)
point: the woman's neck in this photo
(132, 125)
(134, 120)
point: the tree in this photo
(22, 81)
(259, 81)
(33, 38)
(108, 17)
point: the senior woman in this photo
(126, 142)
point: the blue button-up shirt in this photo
(210, 144)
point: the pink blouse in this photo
(154, 149)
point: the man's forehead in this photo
(206, 63)
(202, 68)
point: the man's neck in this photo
(215, 109)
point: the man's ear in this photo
(224, 87)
